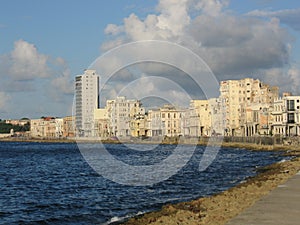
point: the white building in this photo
(278, 126)
(156, 127)
(87, 100)
(218, 116)
(286, 116)
(59, 127)
(166, 121)
(292, 115)
(120, 111)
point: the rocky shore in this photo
(220, 208)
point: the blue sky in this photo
(59, 39)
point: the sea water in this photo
(51, 183)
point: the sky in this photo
(45, 44)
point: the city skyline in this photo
(44, 46)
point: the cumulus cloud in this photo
(25, 68)
(233, 46)
(63, 84)
(113, 29)
(286, 78)
(211, 7)
(26, 62)
(289, 17)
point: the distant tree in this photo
(6, 127)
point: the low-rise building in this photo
(101, 123)
(155, 124)
(46, 127)
(69, 126)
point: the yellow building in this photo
(138, 126)
(101, 123)
(69, 126)
(200, 118)
(43, 128)
(240, 94)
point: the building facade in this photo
(87, 100)
(238, 95)
(69, 126)
(101, 123)
(46, 127)
(120, 112)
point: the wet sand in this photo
(220, 208)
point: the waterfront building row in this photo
(246, 107)
(51, 127)
(127, 118)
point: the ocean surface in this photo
(51, 183)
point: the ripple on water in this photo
(50, 183)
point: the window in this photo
(291, 118)
(290, 105)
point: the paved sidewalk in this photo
(281, 207)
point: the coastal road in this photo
(281, 206)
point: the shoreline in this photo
(292, 149)
(219, 208)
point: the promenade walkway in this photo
(281, 207)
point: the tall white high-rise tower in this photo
(87, 100)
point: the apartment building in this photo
(292, 115)
(87, 100)
(200, 119)
(258, 120)
(240, 94)
(277, 122)
(120, 112)
(101, 126)
(69, 126)
(155, 124)
(138, 125)
(165, 121)
(46, 127)
(172, 120)
(218, 116)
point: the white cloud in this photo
(288, 79)
(63, 84)
(26, 63)
(211, 7)
(32, 78)
(233, 46)
(113, 29)
(290, 17)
